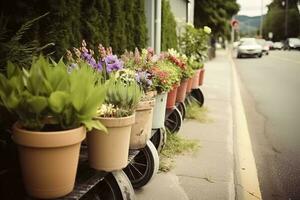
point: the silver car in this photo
(249, 47)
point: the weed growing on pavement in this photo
(175, 145)
(194, 111)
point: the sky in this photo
(253, 7)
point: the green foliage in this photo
(168, 28)
(62, 26)
(215, 14)
(117, 23)
(165, 76)
(130, 25)
(47, 90)
(117, 26)
(140, 29)
(14, 48)
(103, 8)
(123, 96)
(175, 145)
(194, 111)
(194, 44)
(90, 28)
(274, 21)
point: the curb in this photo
(246, 179)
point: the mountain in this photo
(248, 24)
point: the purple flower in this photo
(99, 66)
(113, 63)
(143, 78)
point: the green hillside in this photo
(248, 25)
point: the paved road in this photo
(271, 95)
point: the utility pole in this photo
(261, 18)
(286, 19)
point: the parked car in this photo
(270, 44)
(278, 45)
(292, 43)
(264, 45)
(249, 47)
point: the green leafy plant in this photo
(194, 44)
(121, 99)
(14, 48)
(165, 76)
(47, 96)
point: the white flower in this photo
(207, 29)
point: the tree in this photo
(276, 18)
(215, 14)
(168, 28)
(90, 21)
(103, 7)
(140, 30)
(130, 23)
(62, 25)
(117, 26)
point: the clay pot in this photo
(48, 160)
(109, 151)
(201, 76)
(141, 130)
(159, 111)
(172, 97)
(189, 85)
(196, 79)
(181, 91)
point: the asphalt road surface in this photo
(271, 96)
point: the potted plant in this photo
(201, 75)
(141, 130)
(109, 152)
(54, 109)
(186, 71)
(174, 78)
(162, 83)
(194, 44)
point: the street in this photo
(271, 95)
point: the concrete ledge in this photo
(246, 181)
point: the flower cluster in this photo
(144, 79)
(106, 62)
(127, 76)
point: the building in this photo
(183, 11)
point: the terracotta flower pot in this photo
(109, 151)
(141, 130)
(48, 160)
(196, 79)
(159, 111)
(172, 97)
(201, 76)
(181, 91)
(189, 85)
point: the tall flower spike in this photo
(136, 55)
(69, 56)
(109, 51)
(77, 52)
(102, 51)
(83, 43)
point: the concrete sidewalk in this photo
(208, 173)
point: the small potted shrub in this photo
(174, 78)
(109, 152)
(194, 44)
(141, 130)
(54, 109)
(186, 71)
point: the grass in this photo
(175, 145)
(194, 111)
